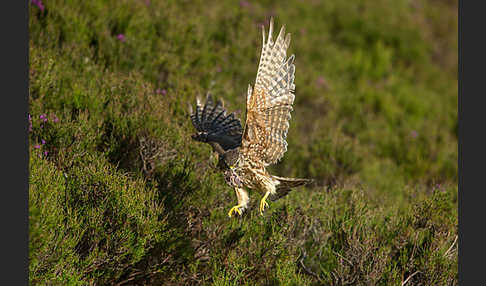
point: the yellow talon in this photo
(234, 209)
(263, 203)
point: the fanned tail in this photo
(286, 185)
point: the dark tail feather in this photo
(286, 185)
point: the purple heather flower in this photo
(45, 153)
(244, 3)
(55, 118)
(414, 134)
(43, 117)
(321, 82)
(161, 91)
(37, 146)
(121, 37)
(30, 123)
(38, 3)
(43, 141)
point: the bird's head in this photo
(230, 158)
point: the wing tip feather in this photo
(270, 30)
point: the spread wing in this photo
(269, 103)
(214, 125)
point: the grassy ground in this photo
(121, 195)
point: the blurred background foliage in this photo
(120, 194)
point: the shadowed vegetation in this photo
(120, 194)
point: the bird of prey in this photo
(244, 153)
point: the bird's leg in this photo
(263, 202)
(235, 209)
(243, 200)
(269, 186)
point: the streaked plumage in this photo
(244, 154)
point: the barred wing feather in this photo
(269, 103)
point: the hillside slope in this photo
(120, 194)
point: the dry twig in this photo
(409, 277)
(450, 248)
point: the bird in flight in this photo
(245, 153)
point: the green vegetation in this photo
(120, 194)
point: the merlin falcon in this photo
(244, 154)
